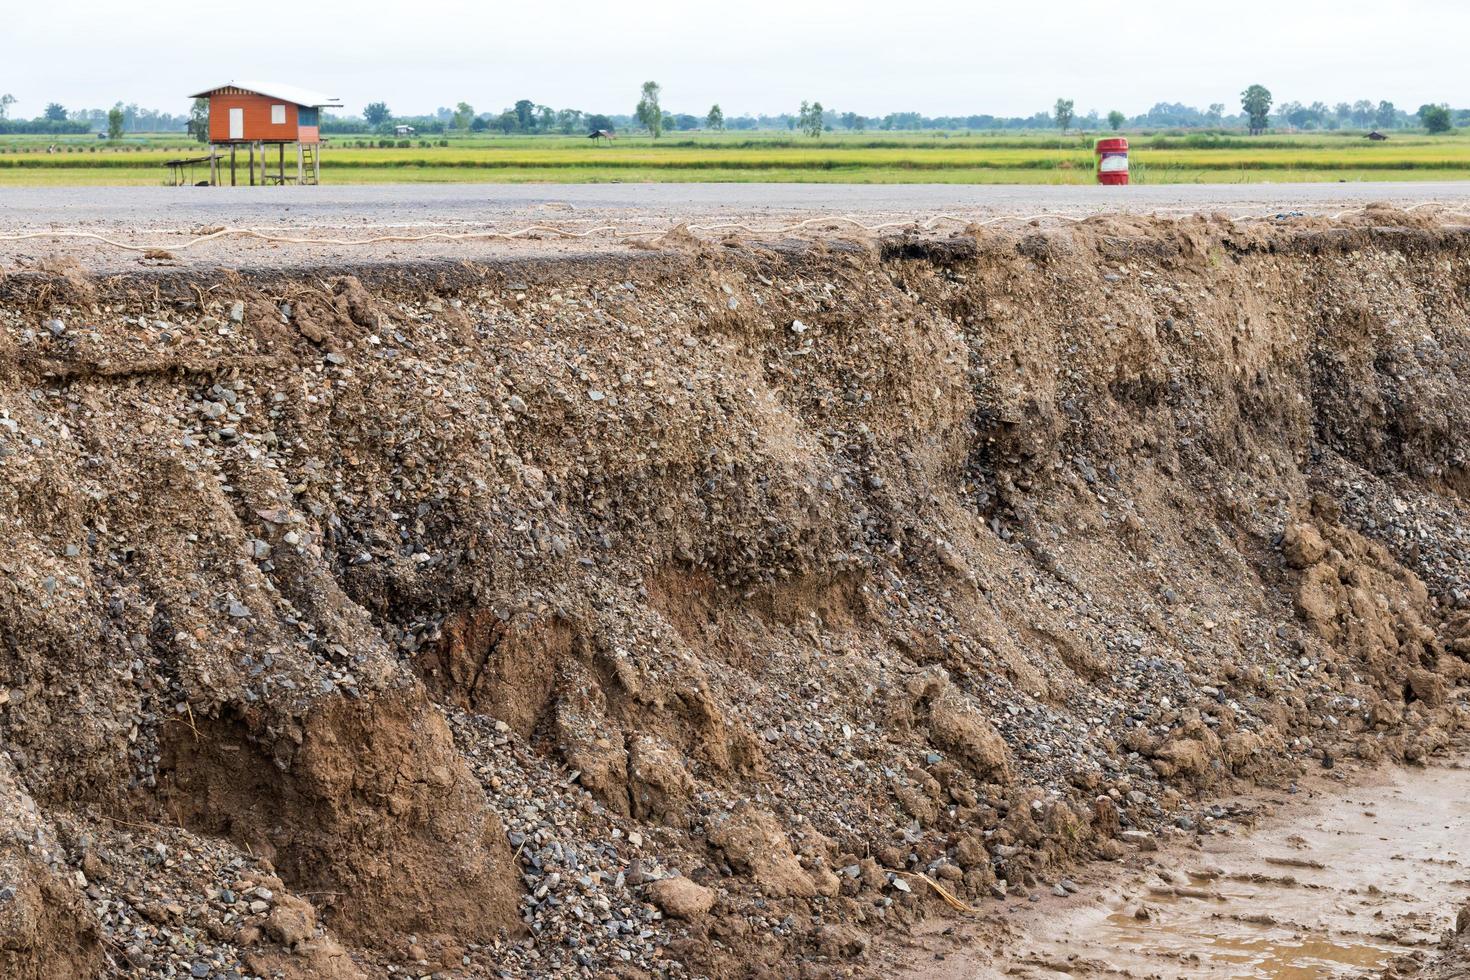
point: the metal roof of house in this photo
(271, 90)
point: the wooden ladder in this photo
(309, 166)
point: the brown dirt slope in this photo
(429, 615)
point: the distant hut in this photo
(1376, 136)
(606, 135)
(258, 115)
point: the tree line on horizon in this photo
(1256, 115)
(528, 117)
(58, 120)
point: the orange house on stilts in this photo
(261, 115)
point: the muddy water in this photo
(1340, 887)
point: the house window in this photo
(278, 115)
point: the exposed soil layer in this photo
(628, 214)
(705, 611)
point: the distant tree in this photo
(376, 113)
(598, 121)
(669, 123)
(809, 118)
(199, 120)
(715, 119)
(6, 101)
(1294, 113)
(1256, 102)
(1342, 114)
(464, 114)
(525, 111)
(648, 112)
(912, 120)
(55, 112)
(508, 122)
(1386, 116)
(480, 124)
(115, 119)
(545, 118)
(849, 120)
(1216, 113)
(1435, 118)
(568, 121)
(1363, 113)
(1063, 114)
(1116, 120)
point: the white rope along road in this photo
(925, 224)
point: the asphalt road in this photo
(347, 205)
(165, 216)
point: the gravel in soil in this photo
(706, 611)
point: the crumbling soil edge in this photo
(931, 697)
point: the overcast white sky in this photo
(938, 57)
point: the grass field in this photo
(1032, 158)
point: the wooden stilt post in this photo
(316, 164)
(213, 165)
(300, 165)
(252, 164)
(232, 164)
(281, 160)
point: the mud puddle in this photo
(1343, 886)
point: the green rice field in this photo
(1030, 158)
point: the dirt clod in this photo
(681, 898)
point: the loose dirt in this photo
(710, 609)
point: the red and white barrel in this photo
(1112, 160)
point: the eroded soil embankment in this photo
(648, 615)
